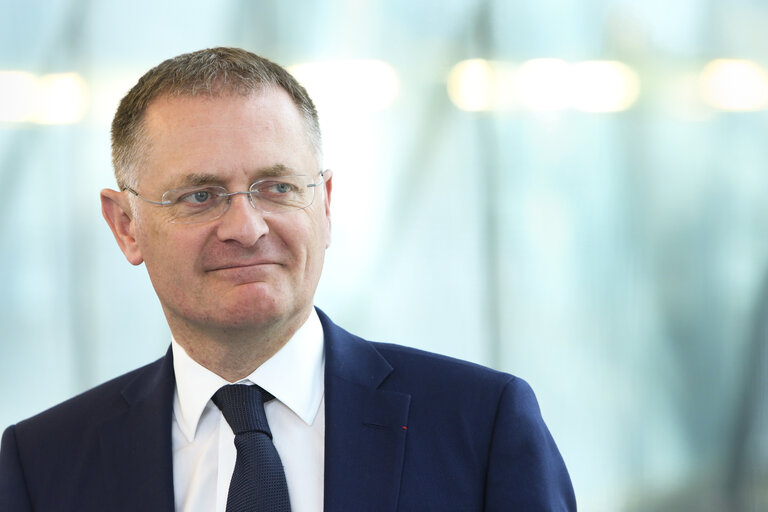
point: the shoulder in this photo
(438, 367)
(413, 371)
(51, 455)
(92, 406)
(437, 377)
(489, 420)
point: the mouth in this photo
(242, 265)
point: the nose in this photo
(241, 223)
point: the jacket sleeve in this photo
(13, 489)
(525, 468)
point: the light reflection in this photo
(18, 96)
(543, 85)
(60, 98)
(63, 99)
(472, 84)
(603, 86)
(734, 84)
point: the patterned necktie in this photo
(258, 482)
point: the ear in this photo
(117, 213)
(328, 176)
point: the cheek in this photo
(169, 253)
(320, 239)
(306, 248)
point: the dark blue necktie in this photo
(258, 482)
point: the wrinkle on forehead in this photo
(202, 178)
(255, 137)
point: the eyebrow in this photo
(274, 170)
(200, 179)
(197, 179)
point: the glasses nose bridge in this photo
(248, 193)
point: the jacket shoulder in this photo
(89, 407)
(70, 456)
(487, 420)
(441, 369)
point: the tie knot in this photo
(243, 408)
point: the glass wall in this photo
(573, 192)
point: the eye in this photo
(280, 187)
(274, 189)
(197, 197)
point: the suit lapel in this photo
(365, 427)
(365, 432)
(136, 444)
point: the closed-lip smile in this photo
(241, 264)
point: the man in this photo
(222, 196)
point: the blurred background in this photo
(570, 191)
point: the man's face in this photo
(245, 269)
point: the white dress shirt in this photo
(203, 443)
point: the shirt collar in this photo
(294, 376)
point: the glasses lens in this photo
(283, 193)
(195, 204)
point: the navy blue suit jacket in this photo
(405, 430)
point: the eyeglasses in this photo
(188, 205)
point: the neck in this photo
(234, 353)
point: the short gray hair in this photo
(210, 72)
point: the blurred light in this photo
(50, 99)
(603, 86)
(63, 99)
(734, 84)
(544, 84)
(472, 85)
(18, 96)
(351, 86)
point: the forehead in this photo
(227, 136)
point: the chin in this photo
(252, 318)
(256, 308)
